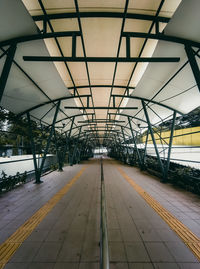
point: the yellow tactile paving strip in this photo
(9, 247)
(190, 239)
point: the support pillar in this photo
(37, 175)
(138, 153)
(75, 147)
(58, 153)
(145, 149)
(153, 139)
(67, 141)
(170, 146)
(38, 170)
(124, 141)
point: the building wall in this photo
(189, 140)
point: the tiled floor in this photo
(68, 237)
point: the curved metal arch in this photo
(95, 131)
(147, 100)
(101, 86)
(163, 37)
(97, 137)
(125, 115)
(54, 100)
(159, 36)
(22, 39)
(101, 15)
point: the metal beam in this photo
(102, 121)
(145, 99)
(102, 86)
(53, 101)
(163, 37)
(96, 14)
(101, 59)
(98, 107)
(38, 37)
(6, 69)
(193, 64)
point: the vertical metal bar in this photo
(138, 153)
(58, 153)
(113, 101)
(68, 138)
(170, 145)
(6, 69)
(193, 64)
(145, 148)
(120, 147)
(44, 26)
(153, 138)
(73, 45)
(49, 138)
(157, 27)
(88, 101)
(76, 145)
(104, 251)
(128, 51)
(124, 141)
(37, 176)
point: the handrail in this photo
(104, 253)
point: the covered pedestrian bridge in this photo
(118, 75)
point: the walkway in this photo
(65, 233)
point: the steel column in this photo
(170, 145)
(37, 174)
(49, 138)
(6, 69)
(138, 153)
(67, 140)
(145, 149)
(75, 146)
(58, 153)
(124, 141)
(153, 138)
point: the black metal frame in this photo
(146, 103)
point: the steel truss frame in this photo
(46, 18)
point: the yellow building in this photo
(180, 137)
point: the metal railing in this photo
(104, 252)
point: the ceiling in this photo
(108, 47)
